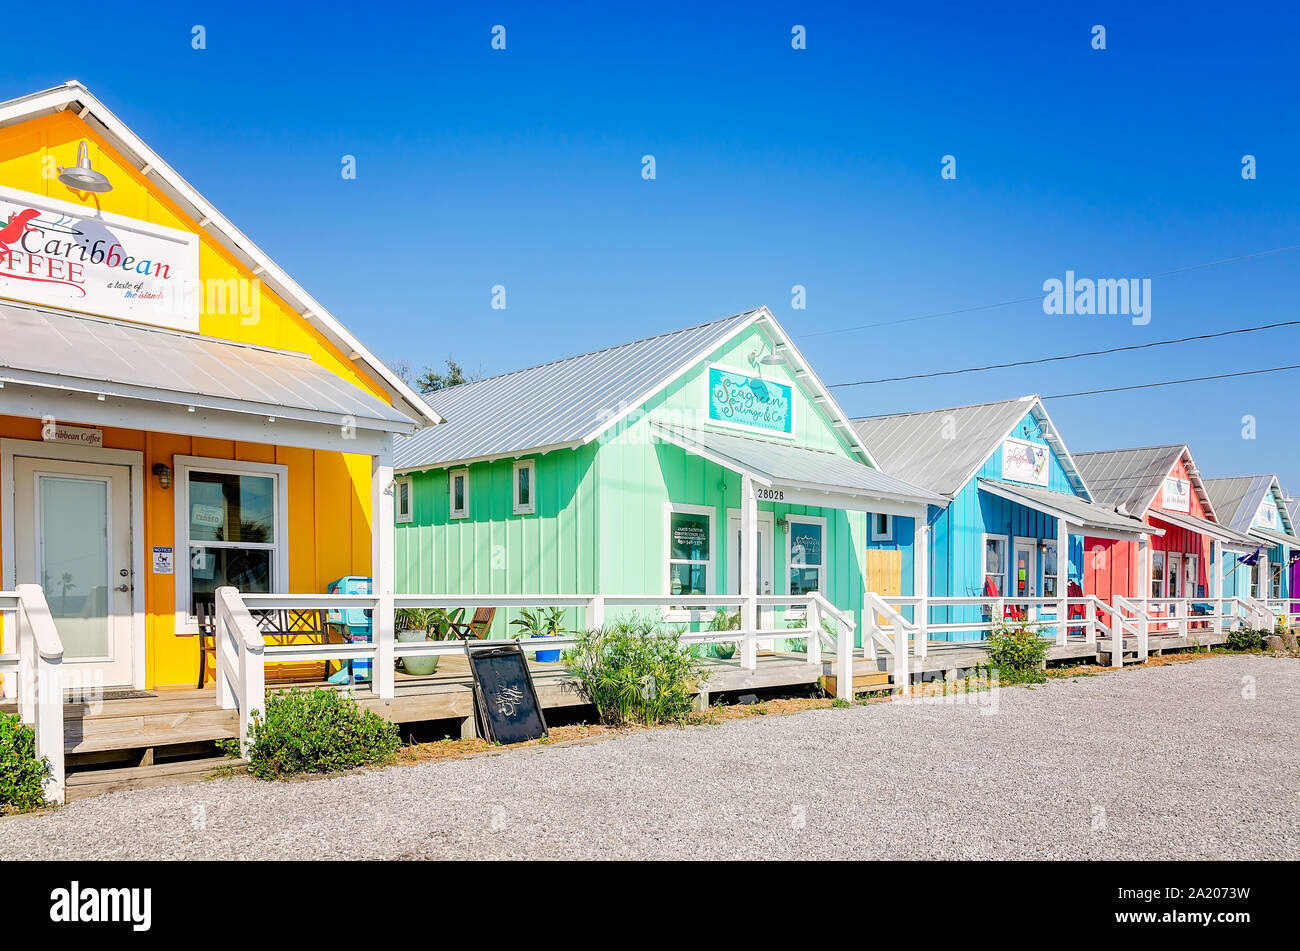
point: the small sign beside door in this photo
(164, 560)
(78, 435)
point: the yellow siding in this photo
(329, 494)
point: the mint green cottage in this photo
(659, 467)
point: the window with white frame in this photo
(525, 487)
(458, 491)
(995, 566)
(1049, 570)
(403, 508)
(806, 554)
(231, 529)
(690, 549)
(882, 527)
(1275, 580)
(1157, 574)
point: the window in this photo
(458, 486)
(1050, 585)
(806, 551)
(882, 528)
(1157, 574)
(524, 487)
(995, 566)
(231, 528)
(690, 549)
(1191, 586)
(1275, 582)
(1173, 583)
(402, 506)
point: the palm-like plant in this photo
(540, 622)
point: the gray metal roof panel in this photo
(1079, 511)
(41, 345)
(1236, 499)
(1127, 477)
(782, 463)
(940, 449)
(557, 403)
(1277, 538)
(1205, 527)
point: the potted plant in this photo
(722, 621)
(539, 623)
(422, 624)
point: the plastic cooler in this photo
(355, 620)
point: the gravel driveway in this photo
(1194, 760)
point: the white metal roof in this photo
(1098, 519)
(776, 463)
(572, 401)
(1203, 527)
(73, 96)
(943, 449)
(59, 350)
(1237, 498)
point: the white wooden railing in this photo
(242, 652)
(35, 674)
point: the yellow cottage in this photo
(176, 414)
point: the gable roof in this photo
(1237, 499)
(917, 447)
(73, 96)
(98, 355)
(1128, 480)
(498, 417)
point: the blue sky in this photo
(775, 167)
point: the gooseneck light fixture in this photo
(82, 177)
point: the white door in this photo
(72, 536)
(734, 553)
(765, 564)
(1190, 577)
(1174, 575)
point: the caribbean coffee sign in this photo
(58, 254)
(750, 402)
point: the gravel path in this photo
(1195, 760)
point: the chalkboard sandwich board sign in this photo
(507, 703)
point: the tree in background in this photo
(431, 380)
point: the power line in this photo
(1039, 297)
(1072, 356)
(1149, 386)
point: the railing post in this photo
(748, 572)
(1143, 634)
(844, 661)
(902, 665)
(595, 612)
(1090, 621)
(813, 619)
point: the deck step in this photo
(104, 724)
(131, 736)
(96, 782)
(863, 682)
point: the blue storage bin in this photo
(356, 620)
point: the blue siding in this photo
(957, 533)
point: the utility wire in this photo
(1149, 386)
(1039, 297)
(1072, 356)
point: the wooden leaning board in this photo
(504, 696)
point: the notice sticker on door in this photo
(164, 561)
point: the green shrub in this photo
(1017, 652)
(21, 773)
(317, 731)
(634, 671)
(1245, 639)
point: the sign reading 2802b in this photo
(750, 402)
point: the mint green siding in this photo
(601, 519)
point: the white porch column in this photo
(921, 581)
(1062, 581)
(1144, 625)
(1216, 584)
(748, 571)
(382, 541)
